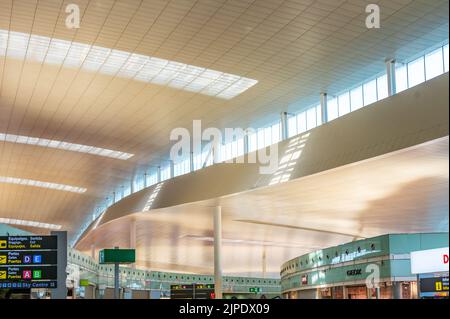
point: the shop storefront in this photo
(374, 268)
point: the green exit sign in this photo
(254, 289)
(120, 256)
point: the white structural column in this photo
(324, 107)
(172, 168)
(390, 72)
(284, 125)
(218, 252)
(93, 252)
(246, 142)
(191, 161)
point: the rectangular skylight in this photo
(20, 222)
(30, 182)
(64, 146)
(139, 67)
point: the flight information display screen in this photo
(28, 261)
(192, 291)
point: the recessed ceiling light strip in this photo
(139, 67)
(12, 138)
(30, 182)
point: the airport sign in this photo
(429, 261)
(27, 243)
(117, 256)
(27, 273)
(27, 285)
(28, 257)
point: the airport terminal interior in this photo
(224, 149)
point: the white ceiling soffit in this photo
(327, 147)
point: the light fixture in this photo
(20, 222)
(30, 182)
(21, 139)
(18, 45)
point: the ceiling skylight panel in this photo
(57, 51)
(237, 88)
(120, 63)
(3, 42)
(37, 48)
(76, 55)
(12, 221)
(133, 65)
(17, 45)
(146, 73)
(96, 58)
(114, 62)
(34, 183)
(20, 139)
(198, 84)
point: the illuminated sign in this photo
(84, 282)
(27, 285)
(27, 242)
(354, 272)
(436, 284)
(28, 261)
(191, 291)
(254, 289)
(27, 273)
(429, 261)
(27, 257)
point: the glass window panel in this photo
(356, 98)
(344, 103)
(260, 138)
(252, 144)
(332, 107)
(434, 64)
(318, 115)
(301, 122)
(311, 118)
(401, 78)
(240, 146)
(370, 92)
(267, 136)
(292, 126)
(445, 50)
(276, 128)
(416, 72)
(382, 87)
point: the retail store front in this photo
(374, 268)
